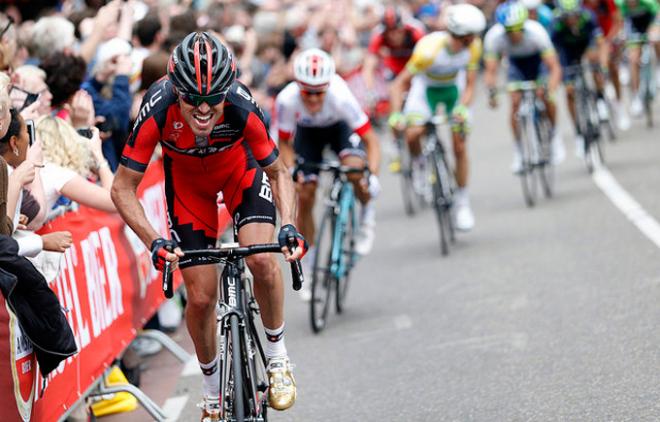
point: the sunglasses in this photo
(6, 28)
(312, 93)
(464, 39)
(197, 100)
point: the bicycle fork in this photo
(343, 212)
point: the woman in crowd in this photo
(70, 159)
(24, 174)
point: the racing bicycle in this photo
(242, 365)
(335, 243)
(535, 143)
(587, 119)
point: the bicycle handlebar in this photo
(233, 252)
(332, 166)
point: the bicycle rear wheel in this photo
(529, 157)
(442, 197)
(347, 253)
(322, 277)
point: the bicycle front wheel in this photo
(442, 198)
(237, 369)
(529, 158)
(322, 277)
(546, 168)
(349, 222)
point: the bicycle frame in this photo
(342, 201)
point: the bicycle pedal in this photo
(262, 387)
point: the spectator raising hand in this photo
(81, 110)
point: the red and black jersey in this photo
(395, 58)
(160, 120)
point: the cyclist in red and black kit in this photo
(214, 139)
(610, 22)
(393, 43)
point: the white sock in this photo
(211, 384)
(275, 347)
(368, 213)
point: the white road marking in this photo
(174, 406)
(517, 340)
(633, 211)
(191, 368)
(401, 322)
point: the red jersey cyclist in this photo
(393, 43)
(214, 139)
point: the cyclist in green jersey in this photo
(641, 23)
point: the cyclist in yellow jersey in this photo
(432, 73)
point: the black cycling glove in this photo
(290, 238)
(159, 250)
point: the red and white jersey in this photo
(339, 105)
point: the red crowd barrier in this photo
(109, 290)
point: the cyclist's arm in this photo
(472, 73)
(397, 90)
(491, 64)
(283, 190)
(369, 69)
(554, 69)
(491, 56)
(124, 195)
(285, 144)
(373, 150)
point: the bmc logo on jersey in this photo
(147, 105)
(265, 191)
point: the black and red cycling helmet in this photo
(201, 65)
(392, 18)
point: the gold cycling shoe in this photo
(282, 385)
(210, 409)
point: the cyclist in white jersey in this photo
(532, 57)
(316, 110)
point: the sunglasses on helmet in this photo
(197, 100)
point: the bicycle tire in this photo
(546, 171)
(592, 149)
(348, 256)
(527, 177)
(256, 376)
(407, 191)
(441, 187)
(237, 369)
(322, 278)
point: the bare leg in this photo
(202, 288)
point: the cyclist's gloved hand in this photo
(460, 116)
(396, 120)
(374, 186)
(290, 238)
(159, 250)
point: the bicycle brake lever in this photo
(297, 275)
(168, 289)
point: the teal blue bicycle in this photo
(335, 244)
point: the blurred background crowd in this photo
(73, 72)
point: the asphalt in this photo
(539, 314)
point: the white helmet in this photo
(531, 4)
(313, 69)
(465, 19)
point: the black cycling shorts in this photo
(310, 142)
